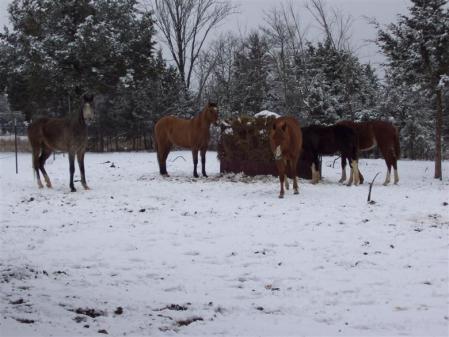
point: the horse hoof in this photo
(73, 190)
(86, 187)
(205, 175)
(281, 196)
(296, 192)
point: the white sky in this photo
(252, 15)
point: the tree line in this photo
(57, 49)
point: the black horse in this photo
(328, 140)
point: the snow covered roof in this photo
(266, 114)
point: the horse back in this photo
(365, 134)
(170, 130)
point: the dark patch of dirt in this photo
(24, 320)
(79, 319)
(175, 307)
(118, 311)
(19, 301)
(89, 312)
(188, 321)
(103, 331)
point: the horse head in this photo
(87, 106)
(279, 139)
(211, 113)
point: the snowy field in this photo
(143, 255)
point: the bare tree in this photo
(335, 25)
(286, 36)
(215, 68)
(185, 26)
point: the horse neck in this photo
(80, 119)
(201, 121)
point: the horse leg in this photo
(361, 178)
(355, 169)
(46, 152)
(36, 160)
(315, 170)
(343, 169)
(388, 175)
(295, 178)
(396, 175)
(195, 162)
(281, 170)
(203, 162)
(162, 155)
(72, 170)
(80, 158)
(351, 175)
(386, 153)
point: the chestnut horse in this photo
(188, 133)
(47, 135)
(286, 144)
(327, 140)
(382, 134)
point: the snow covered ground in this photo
(143, 255)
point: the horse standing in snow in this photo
(286, 144)
(187, 133)
(327, 140)
(376, 133)
(47, 135)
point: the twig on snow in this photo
(370, 187)
(177, 158)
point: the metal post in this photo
(15, 144)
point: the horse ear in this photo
(284, 127)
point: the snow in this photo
(225, 249)
(266, 114)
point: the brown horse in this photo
(61, 134)
(191, 133)
(286, 144)
(382, 134)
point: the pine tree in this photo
(417, 48)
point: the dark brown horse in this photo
(382, 134)
(286, 144)
(61, 134)
(187, 133)
(328, 140)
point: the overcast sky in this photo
(251, 15)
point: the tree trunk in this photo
(438, 130)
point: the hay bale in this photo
(244, 146)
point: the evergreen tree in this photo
(58, 49)
(417, 48)
(251, 76)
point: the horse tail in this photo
(397, 146)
